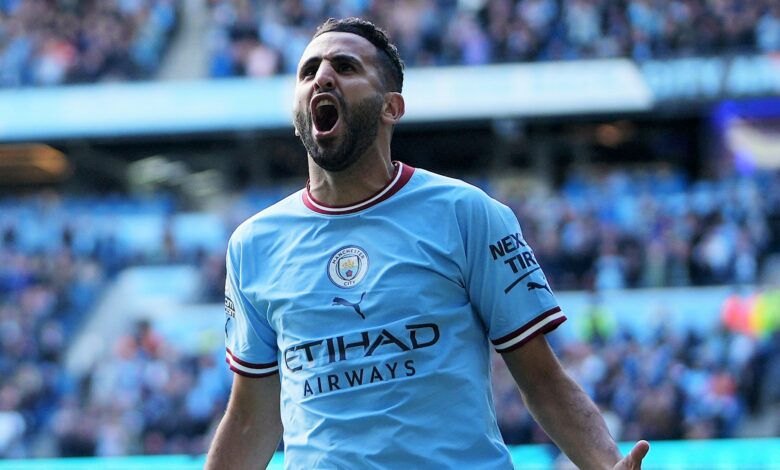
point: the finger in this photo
(639, 452)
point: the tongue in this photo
(325, 118)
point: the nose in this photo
(325, 78)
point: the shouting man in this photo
(361, 310)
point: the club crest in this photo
(348, 266)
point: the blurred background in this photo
(638, 142)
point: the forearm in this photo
(242, 443)
(573, 422)
(250, 431)
(561, 407)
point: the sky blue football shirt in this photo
(378, 318)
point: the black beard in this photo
(360, 128)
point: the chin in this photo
(333, 164)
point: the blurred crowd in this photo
(50, 42)
(43, 297)
(149, 398)
(57, 257)
(259, 38)
(610, 229)
(600, 231)
(146, 397)
(46, 42)
(674, 385)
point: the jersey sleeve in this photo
(505, 283)
(250, 341)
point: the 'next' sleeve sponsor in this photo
(504, 280)
(250, 342)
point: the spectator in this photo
(46, 42)
(58, 253)
(432, 32)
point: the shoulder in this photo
(464, 200)
(267, 221)
(451, 190)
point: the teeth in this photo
(325, 102)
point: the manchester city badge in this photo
(348, 266)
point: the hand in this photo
(633, 461)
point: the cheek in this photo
(299, 100)
(297, 105)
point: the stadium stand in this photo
(603, 229)
(45, 42)
(150, 396)
(264, 38)
(611, 229)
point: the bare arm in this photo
(250, 431)
(565, 411)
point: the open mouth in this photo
(325, 115)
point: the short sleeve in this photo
(250, 341)
(505, 283)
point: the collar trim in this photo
(401, 176)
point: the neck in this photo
(369, 174)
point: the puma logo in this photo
(535, 285)
(347, 303)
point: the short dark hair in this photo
(387, 53)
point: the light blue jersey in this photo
(378, 318)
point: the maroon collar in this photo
(401, 176)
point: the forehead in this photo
(330, 44)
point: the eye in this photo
(308, 72)
(345, 67)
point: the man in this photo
(370, 299)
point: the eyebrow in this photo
(340, 57)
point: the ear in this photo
(393, 109)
